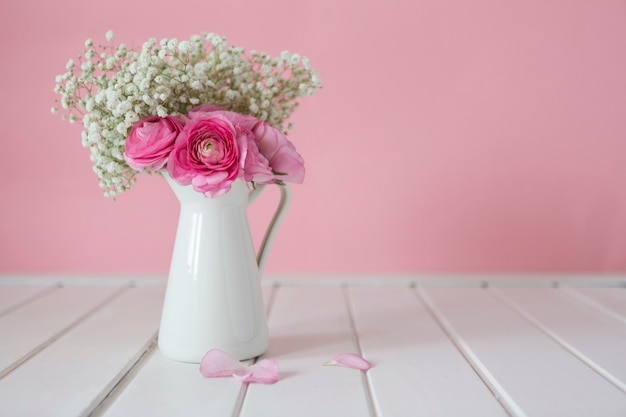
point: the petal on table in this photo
(349, 360)
(265, 371)
(217, 363)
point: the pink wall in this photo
(451, 136)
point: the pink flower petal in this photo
(349, 360)
(264, 372)
(217, 363)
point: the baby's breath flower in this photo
(110, 63)
(172, 44)
(113, 87)
(184, 46)
(161, 111)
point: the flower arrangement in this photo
(207, 112)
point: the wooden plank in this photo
(164, 387)
(75, 373)
(27, 330)
(309, 325)
(595, 338)
(177, 389)
(611, 301)
(534, 375)
(417, 367)
(13, 296)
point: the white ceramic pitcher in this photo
(213, 297)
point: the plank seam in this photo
(19, 362)
(593, 303)
(113, 390)
(367, 382)
(499, 393)
(243, 391)
(503, 298)
(28, 300)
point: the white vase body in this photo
(213, 297)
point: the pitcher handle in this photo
(272, 229)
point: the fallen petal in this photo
(349, 360)
(216, 363)
(264, 371)
(242, 375)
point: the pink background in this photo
(450, 136)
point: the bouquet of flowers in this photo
(207, 112)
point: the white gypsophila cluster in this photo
(109, 88)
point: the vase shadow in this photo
(286, 346)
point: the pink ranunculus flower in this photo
(208, 154)
(284, 161)
(255, 166)
(151, 140)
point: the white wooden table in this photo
(464, 346)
